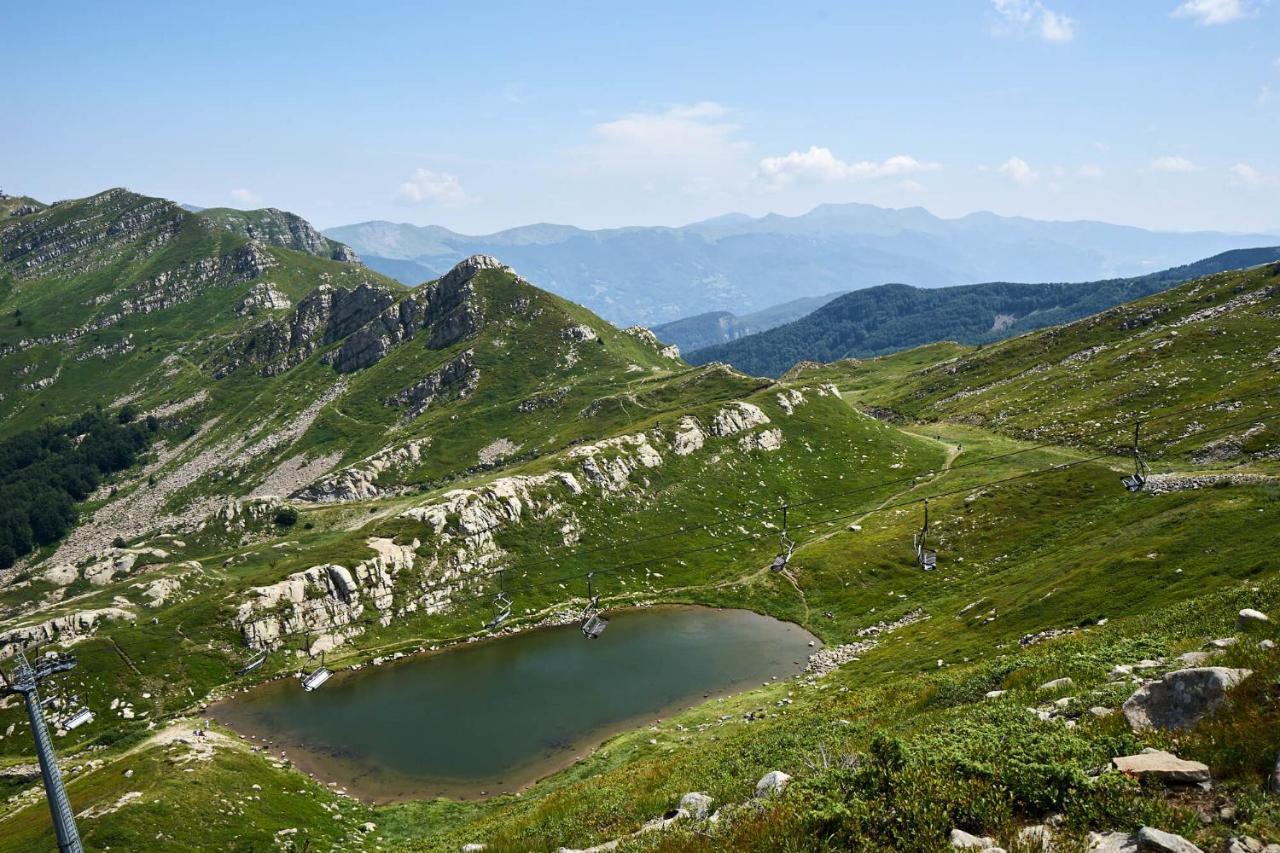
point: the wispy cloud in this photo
(1090, 170)
(1210, 12)
(427, 186)
(1031, 17)
(1174, 163)
(1243, 173)
(1019, 171)
(243, 196)
(820, 166)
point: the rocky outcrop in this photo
(62, 629)
(360, 481)
(609, 464)
(580, 333)
(456, 379)
(543, 401)
(1181, 698)
(689, 436)
(263, 296)
(737, 417)
(323, 605)
(771, 783)
(1159, 484)
(768, 440)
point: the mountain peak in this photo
(276, 227)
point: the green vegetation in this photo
(1018, 444)
(892, 317)
(45, 472)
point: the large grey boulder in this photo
(772, 783)
(1057, 684)
(1181, 698)
(1163, 766)
(962, 840)
(1250, 618)
(1151, 840)
(697, 804)
(1112, 842)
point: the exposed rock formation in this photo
(359, 481)
(609, 464)
(262, 297)
(737, 417)
(689, 436)
(457, 378)
(60, 628)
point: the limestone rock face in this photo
(262, 297)
(737, 417)
(609, 464)
(689, 436)
(1181, 698)
(359, 481)
(458, 378)
(60, 628)
(1163, 766)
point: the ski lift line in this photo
(755, 516)
(817, 523)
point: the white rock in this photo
(771, 783)
(1157, 841)
(1250, 618)
(1163, 766)
(962, 840)
(697, 804)
(1057, 684)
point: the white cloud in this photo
(243, 196)
(1019, 171)
(433, 187)
(1031, 17)
(675, 132)
(1209, 12)
(1090, 170)
(1174, 164)
(1243, 173)
(820, 166)
(911, 186)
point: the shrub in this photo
(286, 516)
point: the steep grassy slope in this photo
(897, 316)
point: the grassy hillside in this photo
(1048, 568)
(897, 316)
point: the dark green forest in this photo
(894, 317)
(45, 472)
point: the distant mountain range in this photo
(718, 327)
(742, 264)
(893, 317)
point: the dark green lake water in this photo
(492, 717)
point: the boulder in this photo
(697, 804)
(772, 783)
(1151, 840)
(1036, 837)
(1250, 618)
(1194, 658)
(1112, 842)
(1162, 766)
(1057, 684)
(1267, 645)
(962, 840)
(1182, 697)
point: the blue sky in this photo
(1160, 113)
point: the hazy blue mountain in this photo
(891, 317)
(742, 264)
(718, 327)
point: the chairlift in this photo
(78, 718)
(1138, 479)
(593, 624)
(501, 607)
(256, 661)
(926, 557)
(315, 679)
(781, 561)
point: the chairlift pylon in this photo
(925, 556)
(501, 606)
(781, 561)
(593, 624)
(1138, 479)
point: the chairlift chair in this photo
(925, 556)
(501, 606)
(316, 678)
(781, 561)
(593, 624)
(78, 718)
(1135, 481)
(256, 661)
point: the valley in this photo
(345, 472)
